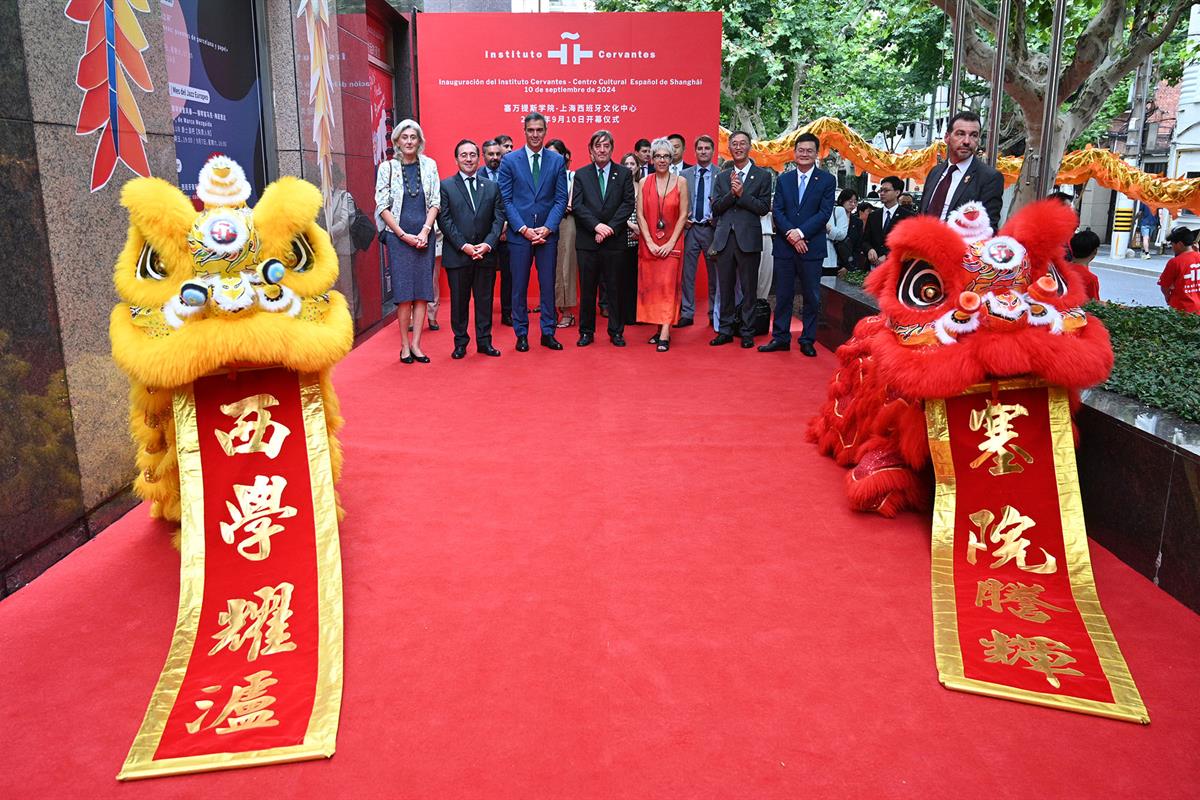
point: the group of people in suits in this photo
(502, 209)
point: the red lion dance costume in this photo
(958, 306)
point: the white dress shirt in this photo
(960, 169)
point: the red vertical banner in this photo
(638, 75)
(1015, 608)
(254, 673)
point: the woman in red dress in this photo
(660, 257)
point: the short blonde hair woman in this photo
(662, 202)
(407, 199)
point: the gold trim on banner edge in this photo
(140, 762)
(191, 589)
(1079, 562)
(1127, 705)
(327, 705)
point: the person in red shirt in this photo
(1180, 280)
(1085, 245)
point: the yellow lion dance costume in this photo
(226, 287)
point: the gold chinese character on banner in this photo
(253, 431)
(1009, 534)
(258, 508)
(1021, 600)
(248, 706)
(1040, 654)
(264, 624)
(996, 420)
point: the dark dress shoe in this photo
(774, 346)
(618, 340)
(683, 322)
(459, 352)
(807, 349)
(421, 359)
(550, 342)
(522, 344)
(506, 319)
(406, 359)
(584, 340)
(433, 326)
(747, 342)
(719, 339)
(488, 350)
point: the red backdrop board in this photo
(636, 75)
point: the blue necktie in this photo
(698, 215)
(803, 180)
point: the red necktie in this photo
(938, 202)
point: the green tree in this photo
(1105, 40)
(785, 64)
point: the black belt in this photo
(703, 224)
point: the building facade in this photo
(92, 97)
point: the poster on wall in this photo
(213, 83)
(480, 74)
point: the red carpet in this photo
(599, 574)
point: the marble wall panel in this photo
(53, 47)
(280, 16)
(86, 232)
(14, 88)
(1180, 570)
(1132, 531)
(39, 473)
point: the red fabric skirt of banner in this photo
(1014, 601)
(254, 674)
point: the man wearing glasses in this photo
(880, 223)
(802, 205)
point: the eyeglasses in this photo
(661, 155)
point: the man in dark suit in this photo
(603, 200)
(741, 195)
(493, 151)
(678, 146)
(533, 185)
(962, 177)
(641, 149)
(881, 221)
(471, 219)
(699, 235)
(802, 206)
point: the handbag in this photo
(384, 229)
(362, 230)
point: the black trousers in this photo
(627, 279)
(505, 279)
(594, 266)
(736, 266)
(478, 281)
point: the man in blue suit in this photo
(533, 183)
(801, 208)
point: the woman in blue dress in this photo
(407, 198)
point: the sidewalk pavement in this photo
(1135, 265)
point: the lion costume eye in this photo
(149, 265)
(302, 255)
(919, 286)
(1059, 282)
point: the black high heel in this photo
(421, 359)
(663, 345)
(408, 359)
(653, 339)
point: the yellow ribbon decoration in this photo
(1109, 169)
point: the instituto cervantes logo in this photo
(573, 53)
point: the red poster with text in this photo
(640, 75)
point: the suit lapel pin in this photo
(967, 179)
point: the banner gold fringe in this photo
(1108, 169)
